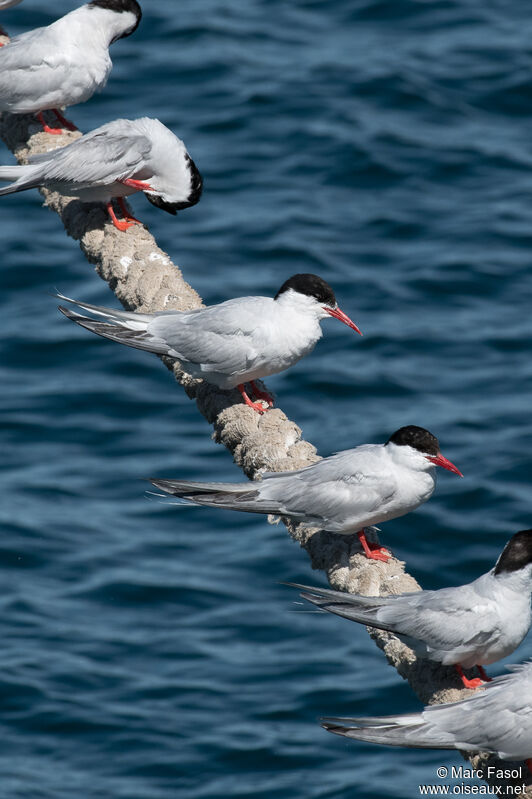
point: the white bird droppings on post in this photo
(156, 256)
(126, 262)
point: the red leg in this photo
(126, 213)
(475, 683)
(263, 395)
(373, 551)
(529, 764)
(483, 674)
(136, 184)
(47, 128)
(120, 224)
(255, 405)
(65, 122)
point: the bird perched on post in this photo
(470, 625)
(232, 343)
(66, 62)
(497, 719)
(344, 494)
(116, 160)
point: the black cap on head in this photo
(196, 183)
(171, 208)
(516, 554)
(196, 188)
(416, 437)
(312, 286)
(119, 6)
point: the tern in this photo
(497, 719)
(116, 160)
(66, 62)
(232, 343)
(344, 494)
(471, 625)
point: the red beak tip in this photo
(441, 460)
(342, 317)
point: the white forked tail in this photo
(231, 496)
(408, 730)
(125, 327)
(25, 176)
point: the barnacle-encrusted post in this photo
(144, 278)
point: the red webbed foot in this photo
(371, 550)
(263, 395)
(483, 674)
(121, 224)
(55, 131)
(255, 405)
(127, 216)
(46, 127)
(476, 682)
(66, 123)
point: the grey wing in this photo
(449, 620)
(499, 718)
(424, 615)
(220, 338)
(27, 64)
(452, 620)
(350, 485)
(21, 49)
(98, 158)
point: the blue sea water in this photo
(149, 650)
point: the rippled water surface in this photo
(150, 651)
